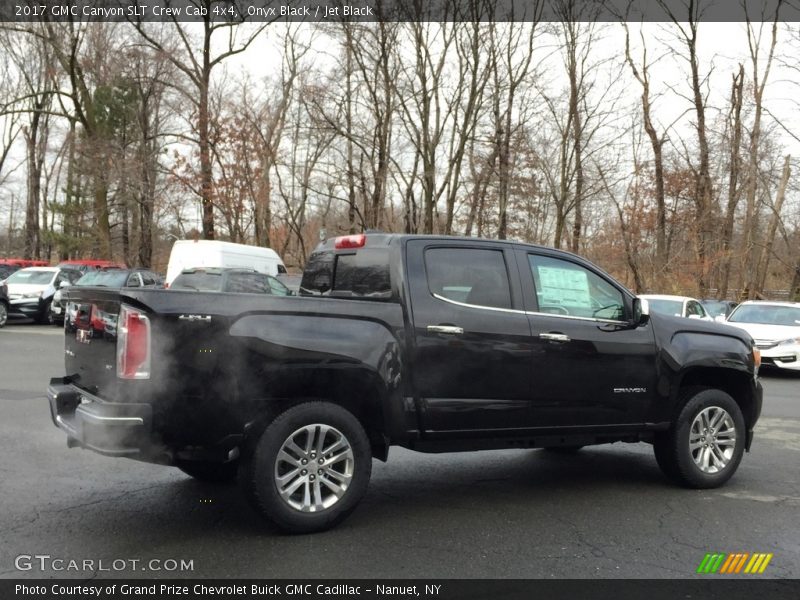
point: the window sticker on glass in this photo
(565, 287)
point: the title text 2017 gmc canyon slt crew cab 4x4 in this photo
(437, 344)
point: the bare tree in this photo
(10, 118)
(511, 53)
(641, 72)
(734, 174)
(686, 26)
(750, 276)
(70, 44)
(32, 61)
(268, 117)
(197, 62)
(775, 218)
(425, 110)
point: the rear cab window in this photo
(360, 273)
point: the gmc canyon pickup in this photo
(436, 344)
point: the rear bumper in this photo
(125, 429)
(112, 429)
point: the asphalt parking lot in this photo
(605, 512)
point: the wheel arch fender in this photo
(353, 362)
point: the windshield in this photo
(32, 277)
(666, 307)
(766, 314)
(199, 280)
(104, 278)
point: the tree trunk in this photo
(766, 251)
(206, 181)
(100, 195)
(34, 164)
(733, 181)
(704, 188)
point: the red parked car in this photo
(23, 262)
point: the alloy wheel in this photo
(314, 468)
(712, 439)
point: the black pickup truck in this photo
(436, 344)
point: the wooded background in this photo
(119, 138)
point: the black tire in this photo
(672, 447)
(258, 474)
(209, 471)
(45, 317)
(3, 314)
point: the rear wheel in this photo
(209, 471)
(705, 445)
(310, 468)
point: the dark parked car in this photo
(719, 308)
(31, 290)
(243, 281)
(3, 303)
(88, 265)
(106, 277)
(436, 344)
(6, 270)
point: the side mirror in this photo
(641, 312)
(63, 284)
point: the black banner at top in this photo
(320, 11)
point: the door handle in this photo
(554, 337)
(449, 329)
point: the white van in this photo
(187, 254)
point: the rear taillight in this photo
(133, 344)
(350, 241)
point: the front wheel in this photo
(3, 314)
(310, 468)
(705, 445)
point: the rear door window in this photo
(468, 275)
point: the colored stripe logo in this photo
(735, 563)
